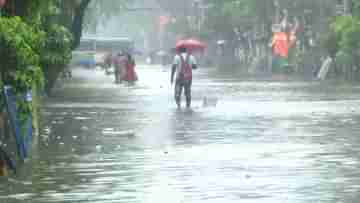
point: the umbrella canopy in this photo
(191, 44)
(137, 52)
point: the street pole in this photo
(347, 7)
(277, 12)
(197, 16)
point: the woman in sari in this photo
(131, 75)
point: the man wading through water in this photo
(182, 67)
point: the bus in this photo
(91, 51)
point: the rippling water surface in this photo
(263, 141)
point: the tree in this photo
(346, 31)
(54, 19)
(64, 26)
(71, 15)
(99, 12)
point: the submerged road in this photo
(263, 141)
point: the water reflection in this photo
(263, 142)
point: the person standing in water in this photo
(131, 75)
(120, 63)
(182, 68)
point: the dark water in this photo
(265, 141)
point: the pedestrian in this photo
(67, 73)
(182, 67)
(280, 47)
(6, 163)
(131, 75)
(120, 63)
(3, 168)
(108, 63)
(283, 41)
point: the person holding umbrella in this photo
(131, 75)
(182, 68)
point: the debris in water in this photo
(98, 147)
(109, 129)
(84, 128)
(81, 118)
(210, 102)
(129, 133)
(45, 136)
(47, 130)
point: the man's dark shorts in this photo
(179, 86)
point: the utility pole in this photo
(277, 12)
(197, 13)
(347, 7)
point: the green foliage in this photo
(356, 7)
(57, 47)
(344, 58)
(33, 43)
(180, 26)
(329, 42)
(343, 41)
(20, 59)
(347, 30)
(241, 12)
(224, 16)
(19, 52)
(99, 11)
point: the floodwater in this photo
(257, 141)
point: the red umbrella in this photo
(191, 44)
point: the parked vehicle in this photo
(92, 52)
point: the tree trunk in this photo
(77, 24)
(51, 75)
(15, 8)
(20, 8)
(347, 7)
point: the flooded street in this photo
(264, 141)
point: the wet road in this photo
(264, 141)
